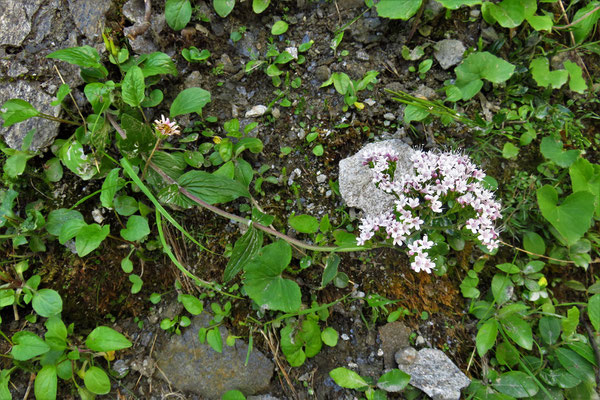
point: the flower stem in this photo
(158, 140)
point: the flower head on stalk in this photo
(438, 185)
(166, 127)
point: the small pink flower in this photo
(166, 127)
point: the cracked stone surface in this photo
(356, 180)
(435, 374)
(191, 366)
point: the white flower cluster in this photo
(436, 182)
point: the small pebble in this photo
(256, 111)
(406, 356)
(362, 55)
(345, 337)
(389, 116)
(420, 341)
(321, 178)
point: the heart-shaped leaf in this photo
(573, 217)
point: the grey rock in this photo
(256, 111)
(195, 367)
(425, 92)
(15, 20)
(121, 368)
(134, 11)
(46, 130)
(356, 180)
(435, 374)
(433, 9)
(322, 73)
(367, 30)
(89, 16)
(394, 336)
(362, 55)
(389, 116)
(406, 356)
(449, 52)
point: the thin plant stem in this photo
(158, 140)
(56, 119)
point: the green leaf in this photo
(398, 9)
(105, 339)
(46, 383)
(112, 183)
(211, 188)
(486, 336)
(331, 269)
(414, 113)
(98, 94)
(541, 22)
(244, 249)
(572, 218)
(139, 140)
(534, 243)
(593, 309)
(304, 223)
(585, 176)
(223, 7)
(125, 205)
(73, 157)
(16, 110)
(456, 4)
(57, 218)
(291, 346)
(89, 238)
(189, 101)
(85, 56)
(27, 345)
(576, 365)
(137, 228)
(569, 324)
(133, 87)
(549, 329)
(53, 170)
(214, 339)
(478, 66)
(341, 82)
(393, 381)
(158, 63)
(178, 13)
(15, 165)
(347, 379)
(502, 288)
(47, 302)
(582, 29)
(510, 150)
(191, 303)
(511, 13)
(96, 380)
(279, 28)
(540, 71)
(263, 281)
(516, 384)
(576, 81)
(234, 394)
(136, 283)
(310, 334)
(518, 330)
(259, 6)
(153, 99)
(329, 336)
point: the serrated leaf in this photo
(244, 249)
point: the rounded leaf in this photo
(96, 380)
(46, 384)
(347, 379)
(104, 339)
(189, 101)
(47, 302)
(279, 28)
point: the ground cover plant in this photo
(518, 236)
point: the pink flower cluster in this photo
(437, 183)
